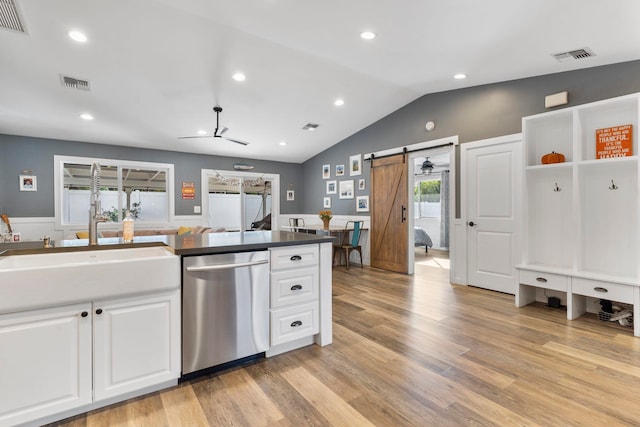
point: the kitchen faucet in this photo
(95, 211)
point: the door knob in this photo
(471, 223)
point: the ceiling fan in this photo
(218, 132)
(427, 167)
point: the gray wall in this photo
(473, 113)
(19, 153)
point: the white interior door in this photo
(491, 179)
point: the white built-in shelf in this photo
(582, 217)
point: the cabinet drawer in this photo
(556, 282)
(289, 324)
(294, 256)
(294, 286)
(606, 290)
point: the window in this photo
(236, 200)
(426, 195)
(144, 189)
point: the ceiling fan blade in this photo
(198, 136)
(235, 140)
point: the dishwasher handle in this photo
(226, 266)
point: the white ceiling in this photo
(157, 67)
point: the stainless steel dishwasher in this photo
(225, 308)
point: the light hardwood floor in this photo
(417, 351)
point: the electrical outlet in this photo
(196, 209)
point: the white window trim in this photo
(58, 181)
(275, 191)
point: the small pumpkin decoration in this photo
(552, 157)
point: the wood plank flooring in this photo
(417, 351)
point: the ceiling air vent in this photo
(310, 127)
(10, 17)
(574, 55)
(74, 83)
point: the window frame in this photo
(59, 162)
(275, 192)
(419, 182)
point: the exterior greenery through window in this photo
(426, 195)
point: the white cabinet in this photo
(56, 359)
(295, 307)
(136, 343)
(581, 216)
(45, 362)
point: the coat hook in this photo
(613, 186)
(556, 188)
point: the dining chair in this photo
(295, 223)
(350, 242)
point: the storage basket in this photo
(606, 317)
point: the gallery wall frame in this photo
(326, 171)
(332, 187)
(355, 165)
(346, 189)
(362, 204)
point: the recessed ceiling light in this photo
(202, 132)
(368, 35)
(460, 76)
(283, 143)
(86, 116)
(239, 77)
(339, 102)
(77, 36)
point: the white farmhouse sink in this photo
(41, 280)
(80, 258)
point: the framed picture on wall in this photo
(326, 202)
(346, 189)
(362, 204)
(291, 195)
(28, 183)
(326, 171)
(331, 187)
(355, 165)
(339, 170)
(361, 184)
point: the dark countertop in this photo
(190, 244)
(211, 243)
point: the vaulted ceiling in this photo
(156, 68)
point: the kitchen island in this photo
(112, 332)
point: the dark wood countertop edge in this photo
(246, 247)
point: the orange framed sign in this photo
(188, 191)
(616, 141)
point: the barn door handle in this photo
(403, 217)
